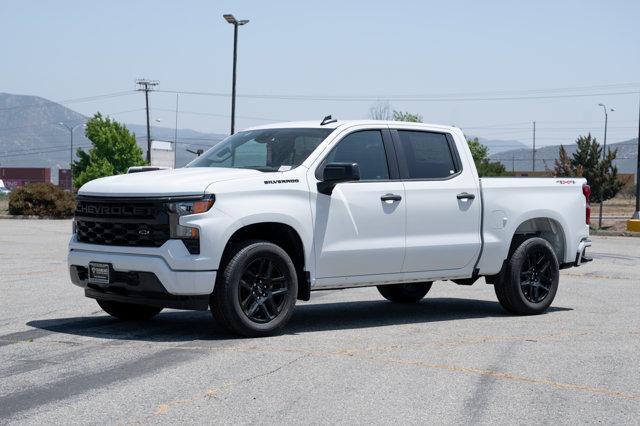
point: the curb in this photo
(10, 216)
(615, 233)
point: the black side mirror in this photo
(335, 173)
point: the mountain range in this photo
(31, 136)
(522, 159)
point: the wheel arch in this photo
(284, 236)
(544, 227)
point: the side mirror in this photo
(335, 173)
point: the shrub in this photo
(41, 199)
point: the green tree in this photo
(479, 152)
(406, 116)
(114, 150)
(485, 167)
(587, 162)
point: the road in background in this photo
(346, 357)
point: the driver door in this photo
(359, 230)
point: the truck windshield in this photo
(267, 150)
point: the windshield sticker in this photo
(284, 168)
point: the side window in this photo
(365, 148)
(428, 155)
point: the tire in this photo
(405, 293)
(128, 311)
(530, 281)
(256, 290)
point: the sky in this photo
(452, 62)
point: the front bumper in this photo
(177, 271)
(143, 288)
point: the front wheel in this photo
(404, 293)
(530, 281)
(256, 291)
(128, 311)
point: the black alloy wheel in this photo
(536, 275)
(529, 282)
(256, 289)
(263, 290)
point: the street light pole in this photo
(634, 223)
(233, 21)
(604, 155)
(636, 215)
(70, 129)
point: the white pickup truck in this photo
(274, 212)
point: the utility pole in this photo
(634, 223)
(604, 155)
(513, 163)
(236, 23)
(70, 129)
(533, 169)
(146, 86)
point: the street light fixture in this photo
(71, 129)
(604, 153)
(236, 23)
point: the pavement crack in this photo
(275, 370)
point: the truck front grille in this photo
(122, 222)
(122, 234)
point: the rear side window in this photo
(365, 148)
(428, 155)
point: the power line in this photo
(72, 101)
(209, 114)
(53, 123)
(410, 98)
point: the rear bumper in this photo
(581, 254)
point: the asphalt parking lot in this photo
(346, 357)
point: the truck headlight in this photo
(189, 235)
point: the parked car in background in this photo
(3, 189)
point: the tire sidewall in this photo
(232, 277)
(515, 266)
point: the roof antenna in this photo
(327, 120)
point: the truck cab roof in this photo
(351, 123)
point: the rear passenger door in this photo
(443, 229)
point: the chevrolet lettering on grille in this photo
(113, 210)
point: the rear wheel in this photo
(530, 281)
(404, 293)
(128, 311)
(256, 291)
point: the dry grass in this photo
(4, 205)
(618, 206)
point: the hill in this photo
(521, 159)
(30, 135)
(497, 146)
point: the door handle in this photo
(465, 196)
(390, 197)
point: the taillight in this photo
(586, 190)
